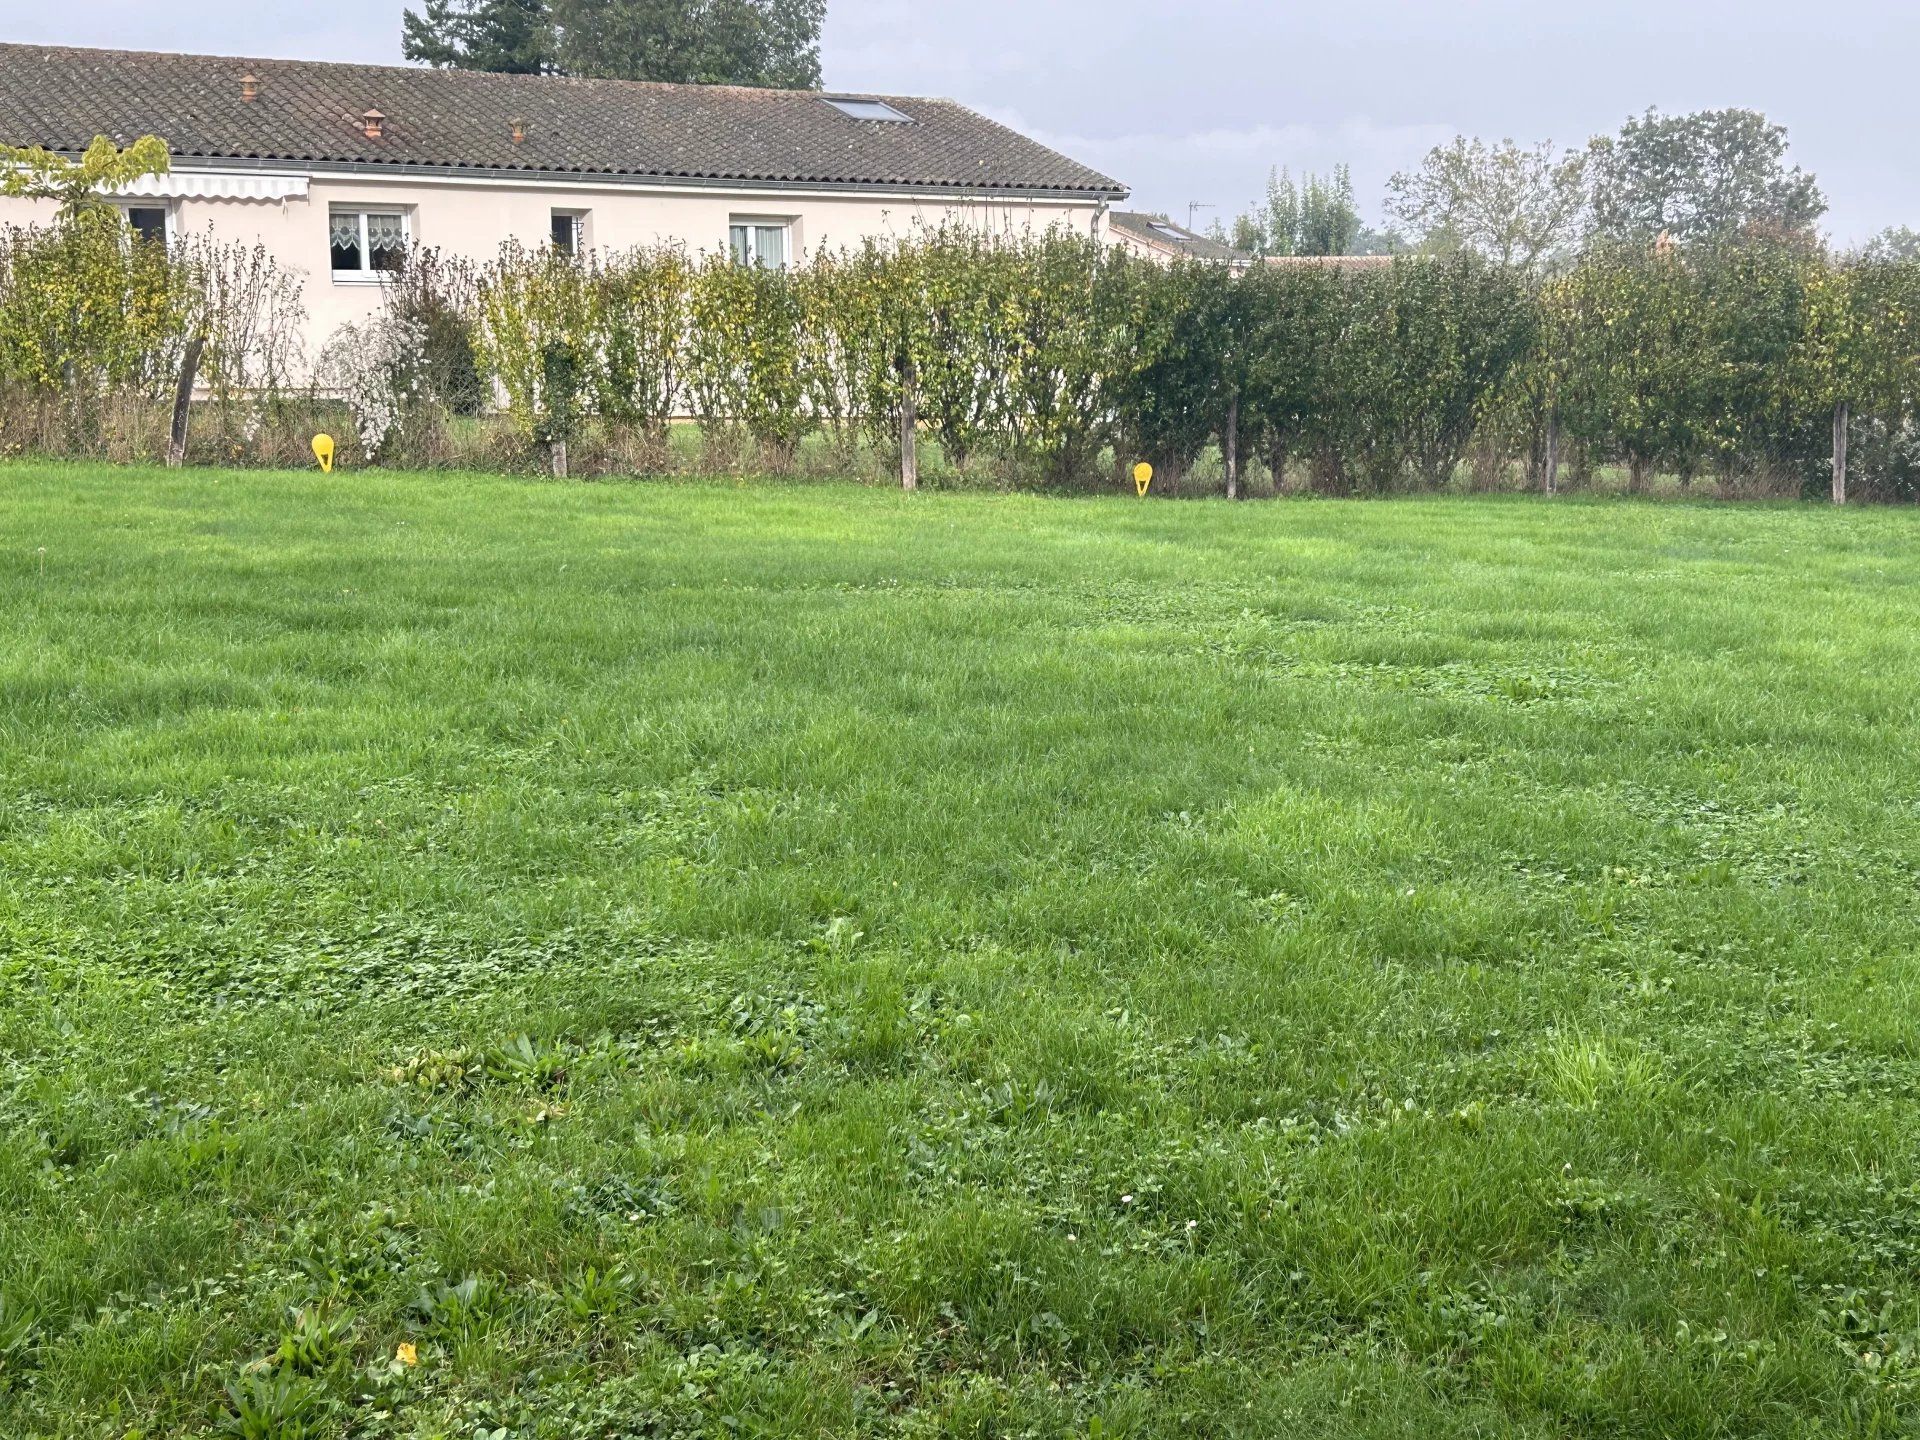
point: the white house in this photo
(1154, 237)
(337, 169)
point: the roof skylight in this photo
(869, 110)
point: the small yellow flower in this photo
(407, 1354)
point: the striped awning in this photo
(209, 185)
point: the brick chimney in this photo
(373, 124)
(249, 87)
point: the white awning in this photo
(189, 185)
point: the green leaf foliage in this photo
(1046, 359)
(707, 42)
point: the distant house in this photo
(1332, 262)
(338, 169)
(1157, 238)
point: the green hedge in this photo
(1045, 359)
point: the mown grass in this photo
(713, 961)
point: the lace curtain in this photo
(386, 238)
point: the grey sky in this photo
(1196, 103)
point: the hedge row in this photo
(1040, 354)
(1041, 359)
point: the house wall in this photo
(1134, 245)
(1163, 254)
(474, 218)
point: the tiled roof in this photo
(1162, 234)
(308, 112)
(1333, 262)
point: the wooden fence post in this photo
(1841, 414)
(1553, 452)
(1232, 445)
(183, 402)
(909, 431)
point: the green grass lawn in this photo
(705, 961)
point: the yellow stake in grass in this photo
(323, 452)
(1143, 478)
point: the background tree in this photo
(708, 42)
(1514, 205)
(1283, 214)
(1317, 216)
(719, 42)
(508, 37)
(1329, 220)
(1713, 175)
(1272, 228)
(1896, 242)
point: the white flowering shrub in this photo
(379, 370)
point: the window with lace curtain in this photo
(367, 243)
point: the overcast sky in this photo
(1196, 102)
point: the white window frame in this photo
(165, 207)
(579, 220)
(749, 227)
(366, 275)
(867, 110)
